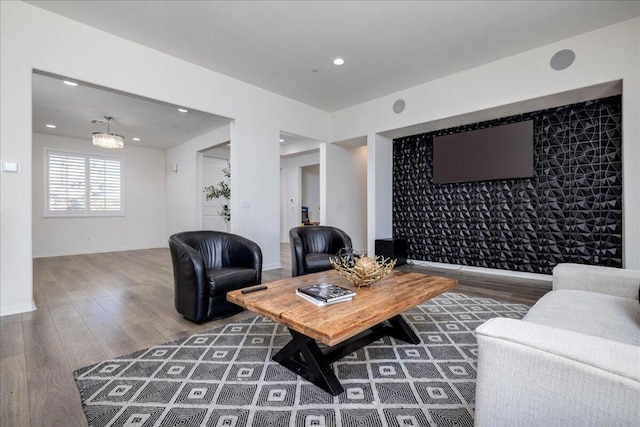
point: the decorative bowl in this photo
(361, 270)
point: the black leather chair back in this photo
(221, 250)
(310, 241)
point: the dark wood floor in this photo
(97, 306)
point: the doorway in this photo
(147, 187)
(299, 181)
(215, 173)
(310, 191)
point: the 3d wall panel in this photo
(569, 211)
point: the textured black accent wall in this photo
(569, 211)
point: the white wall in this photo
(359, 193)
(32, 38)
(343, 171)
(290, 195)
(609, 54)
(142, 226)
(301, 160)
(379, 191)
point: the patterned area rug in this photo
(225, 377)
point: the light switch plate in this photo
(10, 166)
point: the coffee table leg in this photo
(402, 331)
(303, 356)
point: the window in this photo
(83, 184)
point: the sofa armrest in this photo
(605, 280)
(531, 374)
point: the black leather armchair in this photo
(207, 265)
(312, 246)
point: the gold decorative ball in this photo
(367, 265)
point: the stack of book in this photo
(325, 294)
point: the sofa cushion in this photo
(228, 279)
(589, 313)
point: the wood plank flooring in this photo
(97, 306)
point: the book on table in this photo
(325, 293)
(321, 303)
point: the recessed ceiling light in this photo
(182, 110)
(338, 61)
(136, 139)
(51, 126)
(281, 140)
(68, 83)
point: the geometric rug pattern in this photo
(569, 211)
(225, 377)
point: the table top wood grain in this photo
(332, 324)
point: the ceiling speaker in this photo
(562, 59)
(398, 106)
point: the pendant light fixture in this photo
(107, 139)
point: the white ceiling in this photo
(387, 45)
(277, 45)
(71, 109)
(158, 125)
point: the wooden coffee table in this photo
(344, 327)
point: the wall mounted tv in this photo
(499, 152)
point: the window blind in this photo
(104, 182)
(79, 184)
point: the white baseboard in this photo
(96, 251)
(484, 270)
(8, 310)
(273, 266)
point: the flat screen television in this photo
(499, 152)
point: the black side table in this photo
(393, 248)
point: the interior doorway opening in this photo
(135, 202)
(216, 170)
(310, 194)
(299, 182)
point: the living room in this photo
(518, 82)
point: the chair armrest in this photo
(298, 267)
(345, 241)
(531, 374)
(605, 280)
(191, 291)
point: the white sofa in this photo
(574, 360)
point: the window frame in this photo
(86, 213)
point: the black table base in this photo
(303, 356)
